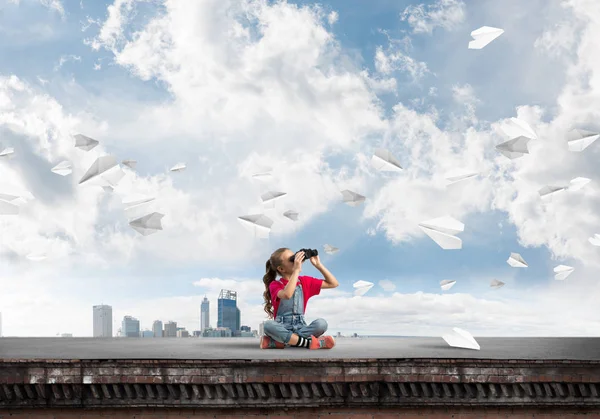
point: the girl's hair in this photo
(273, 263)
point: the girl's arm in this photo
(330, 280)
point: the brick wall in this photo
(340, 413)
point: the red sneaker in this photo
(267, 342)
(322, 342)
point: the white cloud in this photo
(395, 58)
(332, 17)
(447, 14)
(54, 5)
(66, 58)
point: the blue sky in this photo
(129, 114)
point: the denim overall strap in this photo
(292, 308)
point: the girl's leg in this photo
(316, 328)
(277, 331)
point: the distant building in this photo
(219, 332)
(245, 328)
(261, 329)
(204, 314)
(197, 333)
(130, 327)
(103, 324)
(157, 329)
(66, 335)
(170, 330)
(182, 333)
(228, 313)
(147, 334)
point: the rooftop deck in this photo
(580, 349)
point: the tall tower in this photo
(157, 329)
(103, 321)
(228, 313)
(171, 329)
(130, 327)
(204, 314)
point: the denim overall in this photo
(290, 319)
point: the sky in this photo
(307, 90)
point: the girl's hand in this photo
(298, 259)
(315, 261)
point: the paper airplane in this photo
(179, 167)
(101, 165)
(579, 139)
(459, 176)
(85, 143)
(595, 240)
(496, 284)
(135, 200)
(361, 287)
(263, 177)
(384, 161)
(271, 196)
(10, 202)
(578, 183)
(562, 272)
(330, 250)
(483, 36)
(442, 231)
(515, 148)
(8, 206)
(460, 338)
(259, 224)
(292, 215)
(103, 172)
(447, 284)
(352, 198)
(63, 168)
(148, 224)
(516, 261)
(549, 189)
(515, 127)
(36, 257)
(130, 163)
(7, 152)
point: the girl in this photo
(285, 302)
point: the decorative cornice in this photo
(297, 383)
(315, 394)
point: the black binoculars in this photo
(308, 253)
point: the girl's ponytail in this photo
(271, 275)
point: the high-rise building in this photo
(147, 334)
(130, 327)
(204, 314)
(170, 329)
(228, 313)
(157, 329)
(103, 321)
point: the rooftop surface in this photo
(500, 348)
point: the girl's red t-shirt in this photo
(310, 287)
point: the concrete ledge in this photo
(301, 383)
(79, 374)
